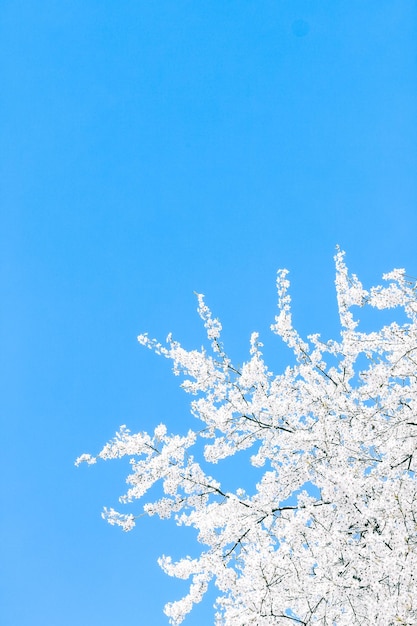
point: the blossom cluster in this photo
(329, 534)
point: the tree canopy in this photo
(329, 534)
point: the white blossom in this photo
(328, 536)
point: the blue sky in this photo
(149, 150)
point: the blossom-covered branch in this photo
(336, 433)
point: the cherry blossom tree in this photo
(329, 534)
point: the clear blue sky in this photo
(150, 149)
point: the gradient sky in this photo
(150, 149)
